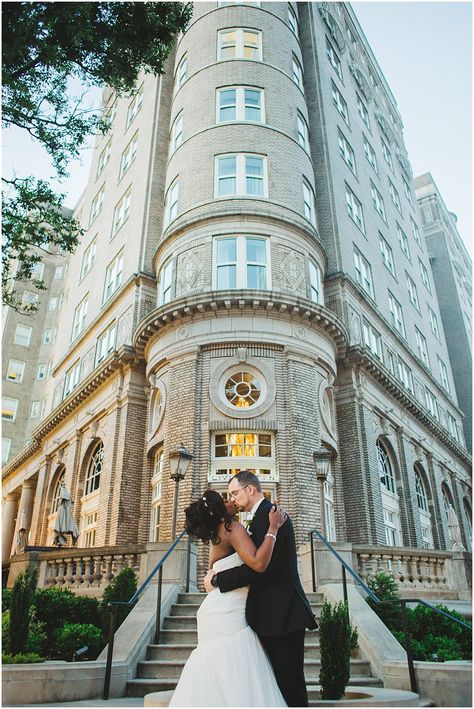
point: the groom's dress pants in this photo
(286, 653)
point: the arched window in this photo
(329, 508)
(94, 470)
(57, 493)
(156, 484)
(387, 477)
(423, 510)
(468, 516)
(391, 509)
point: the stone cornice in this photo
(301, 310)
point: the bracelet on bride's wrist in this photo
(273, 536)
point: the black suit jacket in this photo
(276, 603)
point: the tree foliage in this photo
(21, 599)
(335, 635)
(45, 44)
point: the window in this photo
(50, 369)
(156, 490)
(421, 497)
(113, 276)
(29, 298)
(241, 262)
(422, 347)
(15, 371)
(22, 335)
(434, 324)
(425, 520)
(443, 373)
(72, 377)
(80, 315)
(171, 203)
(340, 103)
(363, 112)
(89, 529)
(377, 200)
(104, 158)
(9, 408)
(407, 190)
(424, 275)
(41, 372)
(241, 175)
(387, 476)
(387, 255)
(97, 204)
(111, 113)
(405, 375)
(6, 444)
(177, 132)
(44, 402)
(240, 103)
(58, 272)
(35, 409)
(121, 212)
(346, 152)
(47, 334)
(53, 303)
(370, 154)
(37, 272)
(128, 156)
(415, 231)
(308, 203)
(239, 43)
(396, 314)
(303, 132)
(363, 273)
(330, 527)
(135, 105)
(387, 154)
(180, 76)
(94, 470)
(431, 404)
(333, 58)
(372, 339)
(315, 283)
(403, 241)
(238, 445)
(297, 73)
(412, 292)
(106, 343)
(88, 258)
(166, 283)
(394, 196)
(293, 19)
(452, 428)
(354, 209)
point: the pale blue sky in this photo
(424, 50)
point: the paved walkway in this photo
(118, 702)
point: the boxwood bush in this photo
(73, 636)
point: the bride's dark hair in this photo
(204, 516)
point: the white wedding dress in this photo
(229, 667)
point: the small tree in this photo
(121, 588)
(20, 604)
(335, 642)
(385, 588)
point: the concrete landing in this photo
(114, 702)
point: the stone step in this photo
(315, 597)
(178, 637)
(169, 651)
(312, 651)
(191, 597)
(189, 609)
(180, 622)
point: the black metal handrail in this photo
(403, 601)
(114, 606)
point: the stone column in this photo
(25, 512)
(8, 523)
(40, 502)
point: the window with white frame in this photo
(407, 190)
(434, 324)
(53, 303)
(452, 427)
(29, 298)
(58, 272)
(354, 209)
(363, 112)
(387, 255)
(346, 152)
(390, 506)
(72, 377)
(297, 72)
(363, 272)
(128, 156)
(241, 175)
(44, 402)
(372, 339)
(37, 271)
(303, 131)
(431, 403)
(239, 450)
(97, 204)
(56, 499)
(135, 105)
(80, 315)
(121, 212)
(377, 200)
(47, 336)
(89, 529)
(387, 154)
(113, 276)
(41, 372)
(239, 43)
(156, 492)
(339, 102)
(240, 103)
(412, 292)
(424, 275)
(308, 203)
(106, 342)
(370, 154)
(390, 361)
(34, 410)
(422, 347)
(333, 58)
(165, 285)
(386, 474)
(423, 510)
(111, 112)
(177, 132)
(241, 262)
(9, 408)
(94, 470)
(443, 373)
(403, 241)
(405, 375)
(15, 371)
(88, 257)
(329, 520)
(394, 196)
(396, 314)
(22, 335)
(104, 157)
(315, 283)
(293, 19)
(415, 231)
(6, 445)
(171, 202)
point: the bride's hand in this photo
(277, 517)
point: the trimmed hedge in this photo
(20, 659)
(72, 636)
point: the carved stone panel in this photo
(125, 328)
(87, 364)
(189, 276)
(292, 272)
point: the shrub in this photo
(72, 636)
(56, 606)
(335, 641)
(121, 588)
(6, 598)
(37, 642)
(354, 638)
(385, 588)
(20, 603)
(6, 631)
(20, 659)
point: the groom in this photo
(277, 608)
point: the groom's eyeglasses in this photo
(234, 493)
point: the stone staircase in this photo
(162, 667)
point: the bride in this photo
(229, 667)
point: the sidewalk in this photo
(117, 702)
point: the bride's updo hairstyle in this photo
(204, 516)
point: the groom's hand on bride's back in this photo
(207, 581)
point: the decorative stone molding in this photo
(361, 80)
(247, 426)
(292, 271)
(385, 126)
(263, 371)
(190, 271)
(335, 29)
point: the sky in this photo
(424, 51)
